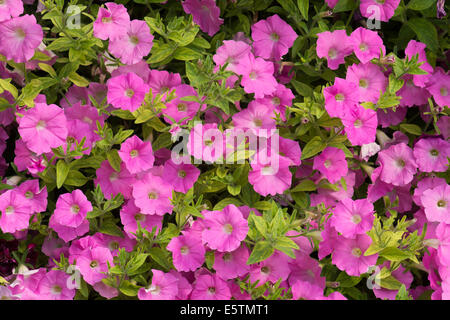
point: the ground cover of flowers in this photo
(246, 149)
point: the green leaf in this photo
(261, 251)
(234, 189)
(114, 159)
(302, 89)
(394, 254)
(286, 245)
(262, 205)
(411, 128)
(313, 147)
(390, 283)
(260, 224)
(305, 185)
(303, 6)
(301, 199)
(346, 281)
(109, 227)
(62, 171)
(161, 257)
(403, 294)
(160, 52)
(186, 54)
(209, 259)
(78, 80)
(225, 202)
(76, 179)
(164, 140)
(6, 85)
(426, 32)
(129, 289)
(135, 263)
(420, 5)
(48, 68)
(96, 212)
(123, 114)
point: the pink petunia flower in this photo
(349, 255)
(225, 229)
(19, 37)
(411, 94)
(360, 125)
(112, 22)
(10, 9)
(205, 13)
(54, 286)
(303, 290)
(231, 52)
(384, 9)
(72, 208)
(136, 154)
(164, 286)
(152, 195)
(332, 3)
(15, 211)
(188, 252)
(340, 97)
(206, 142)
(432, 154)
(272, 37)
(161, 81)
(43, 127)
(130, 216)
(418, 48)
(398, 164)
(436, 203)
(257, 117)
(439, 87)
(279, 100)
(366, 44)
(257, 75)
(210, 287)
(334, 46)
(113, 182)
(370, 80)
(127, 91)
(93, 264)
(353, 217)
(178, 109)
(181, 176)
(36, 196)
(67, 233)
(400, 274)
(272, 269)
(134, 45)
(230, 265)
(331, 163)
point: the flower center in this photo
(357, 124)
(332, 53)
(276, 101)
(20, 33)
(9, 210)
(356, 252)
(265, 270)
(93, 264)
(258, 122)
(153, 195)
(401, 163)
(29, 195)
(228, 228)
(155, 290)
(182, 174)
(106, 19)
(129, 93)
(70, 140)
(56, 289)
(410, 83)
(356, 219)
(208, 143)
(134, 40)
(274, 36)
(75, 209)
(114, 245)
(139, 217)
(444, 91)
(441, 203)
(211, 290)
(327, 163)
(184, 250)
(363, 83)
(182, 107)
(227, 257)
(40, 125)
(134, 153)
(252, 75)
(434, 152)
(381, 1)
(363, 46)
(113, 176)
(267, 170)
(339, 97)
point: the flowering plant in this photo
(201, 149)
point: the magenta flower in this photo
(137, 154)
(130, 216)
(370, 80)
(37, 197)
(257, 75)
(164, 287)
(161, 81)
(205, 13)
(439, 87)
(93, 264)
(178, 109)
(68, 233)
(112, 22)
(331, 163)
(360, 125)
(230, 265)
(257, 117)
(411, 94)
(332, 3)
(19, 37)
(398, 164)
(16, 211)
(181, 176)
(210, 287)
(366, 44)
(349, 255)
(206, 142)
(272, 269)
(270, 178)
(334, 46)
(305, 268)
(272, 37)
(225, 229)
(134, 45)
(385, 8)
(72, 208)
(353, 217)
(231, 52)
(303, 290)
(340, 97)
(418, 48)
(432, 154)
(54, 286)
(127, 91)
(112, 182)
(279, 100)
(152, 195)
(43, 127)
(399, 274)
(436, 203)
(10, 9)
(188, 252)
